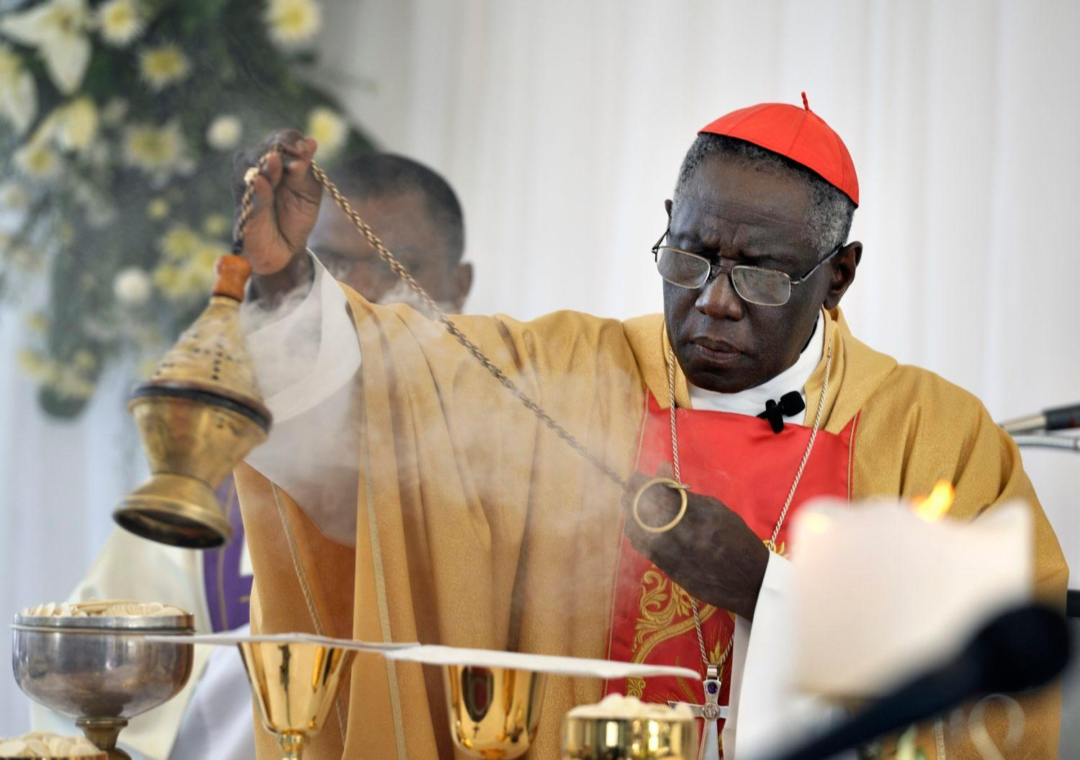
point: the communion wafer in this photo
(618, 707)
(151, 609)
(103, 608)
(44, 745)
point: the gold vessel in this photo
(198, 416)
(295, 685)
(629, 739)
(494, 712)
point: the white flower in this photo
(163, 66)
(217, 225)
(120, 22)
(77, 124)
(58, 30)
(180, 242)
(293, 22)
(14, 197)
(132, 286)
(37, 160)
(329, 130)
(158, 151)
(224, 132)
(18, 92)
(114, 111)
(157, 209)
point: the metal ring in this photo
(673, 484)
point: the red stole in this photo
(740, 461)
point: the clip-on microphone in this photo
(791, 403)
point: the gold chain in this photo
(247, 203)
(783, 513)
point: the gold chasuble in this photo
(478, 527)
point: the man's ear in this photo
(843, 273)
(667, 207)
(461, 284)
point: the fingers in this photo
(286, 142)
(264, 192)
(297, 161)
(285, 138)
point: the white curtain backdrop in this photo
(562, 124)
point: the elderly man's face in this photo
(729, 211)
(404, 224)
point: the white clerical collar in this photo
(752, 400)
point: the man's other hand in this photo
(711, 552)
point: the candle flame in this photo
(933, 507)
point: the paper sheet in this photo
(440, 655)
(231, 639)
(540, 663)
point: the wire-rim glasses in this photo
(756, 285)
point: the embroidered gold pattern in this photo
(664, 613)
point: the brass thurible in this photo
(198, 416)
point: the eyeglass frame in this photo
(716, 269)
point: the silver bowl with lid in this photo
(101, 670)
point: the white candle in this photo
(880, 593)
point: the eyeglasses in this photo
(757, 285)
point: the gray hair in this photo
(831, 211)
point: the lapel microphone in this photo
(789, 405)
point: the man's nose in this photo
(718, 299)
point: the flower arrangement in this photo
(119, 119)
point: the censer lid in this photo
(211, 356)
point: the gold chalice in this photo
(597, 738)
(198, 416)
(494, 699)
(494, 712)
(295, 685)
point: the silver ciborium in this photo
(101, 671)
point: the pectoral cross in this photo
(710, 712)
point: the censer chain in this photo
(246, 207)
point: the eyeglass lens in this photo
(764, 287)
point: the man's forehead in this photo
(726, 196)
(712, 211)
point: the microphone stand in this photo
(1059, 442)
(1046, 421)
(1034, 431)
(1037, 430)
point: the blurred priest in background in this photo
(212, 717)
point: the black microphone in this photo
(1022, 649)
(790, 404)
(1048, 420)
